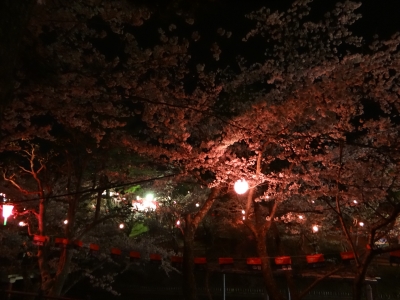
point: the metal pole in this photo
(266, 296)
(223, 286)
(370, 296)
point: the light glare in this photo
(7, 211)
(241, 186)
(315, 228)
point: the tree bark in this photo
(360, 275)
(189, 281)
(269, 280)
(191, 224)
(62, 272)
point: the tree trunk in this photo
(269, 280)
(191, 225)
(46, 279)
(189, 281)
(62, 272)
(360, 276)
(357, 286)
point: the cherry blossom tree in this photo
(300, 122)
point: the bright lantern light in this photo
(315, 228)
(7, 211)
(178, 223)
(355, 201)
(361, 224)
(241, 186)
(121, 226)
(65, 222)
(243, 212)
(197, 205)
(145, 204)
(301, 217)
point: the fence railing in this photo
(255, 292)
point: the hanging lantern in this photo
(241, 186)
(7, 211)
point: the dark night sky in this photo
(379, 17)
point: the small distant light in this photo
(65, 222)
(174, 202)
(267, 197)
(312, 201)
(355, 201)
(21, 223)
(243, 212)
(361, 224)
(178, 223)
(244, 218)
(24, 208)
(197, 205)
(301, 217)
(315, 228)
(121, 226)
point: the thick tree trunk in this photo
(357, 286)
(189, 281)
(191, 224)
(46, 278)
(269, 280)
(360, 276)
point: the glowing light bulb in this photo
(243, 212)
(197, 204)
(315, 228)
(244, 218)
(121, 226)
(21, 223)
(355, 201)
(65, 222)
(301, 217)
(361, 224)
(241, 186)
(178, 223)
(7, 211)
